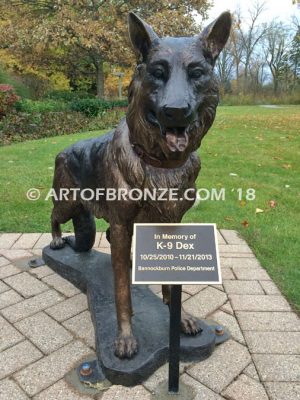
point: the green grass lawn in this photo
(248, 147)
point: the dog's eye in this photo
(196, 73)
(158, 73)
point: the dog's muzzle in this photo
(177, 138)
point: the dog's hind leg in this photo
(189, 324)
(166, 292)
(108, 234)
(85, 231)
(57, 241)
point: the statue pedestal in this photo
(92, 273)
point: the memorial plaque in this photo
(175, 254)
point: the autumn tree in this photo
(251, 34)
(294, 57)
(90, 30)
(275, 49)
(236, 50)
(241, 55)
(224, 67)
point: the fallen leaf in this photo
(242, 203)
(258, 210)
(272, 203)
(287, 166)
(245, 223)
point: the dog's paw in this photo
(189, 324)
(57, 243)
(126, 346)
(70, 240)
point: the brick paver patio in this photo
(46, 330)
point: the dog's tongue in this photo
(176, 140)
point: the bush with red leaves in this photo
(8, 99)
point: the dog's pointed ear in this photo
(216, 34)
(141, 36)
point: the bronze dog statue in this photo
(172, 103)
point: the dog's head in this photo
(173, 94)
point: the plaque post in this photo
(174, 339)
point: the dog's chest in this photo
(168, 194)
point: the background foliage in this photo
(77, 38)
(64, 57)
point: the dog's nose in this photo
(179, 114)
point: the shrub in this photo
(107, 119)
(20, 88)
(68, 95)
(94, 107)
(118, 103)
(40, 106)
(37, 81)
(8, 99)
(37, 119)
(18, 127)
(89, 107)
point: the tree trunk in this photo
(275, 85)
(237, 73)
(275, 79)
(245, 80)
(99, 78)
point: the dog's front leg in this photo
(189, 324)
(120, 237)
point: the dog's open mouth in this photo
(177, 138)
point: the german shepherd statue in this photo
(172, 103)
